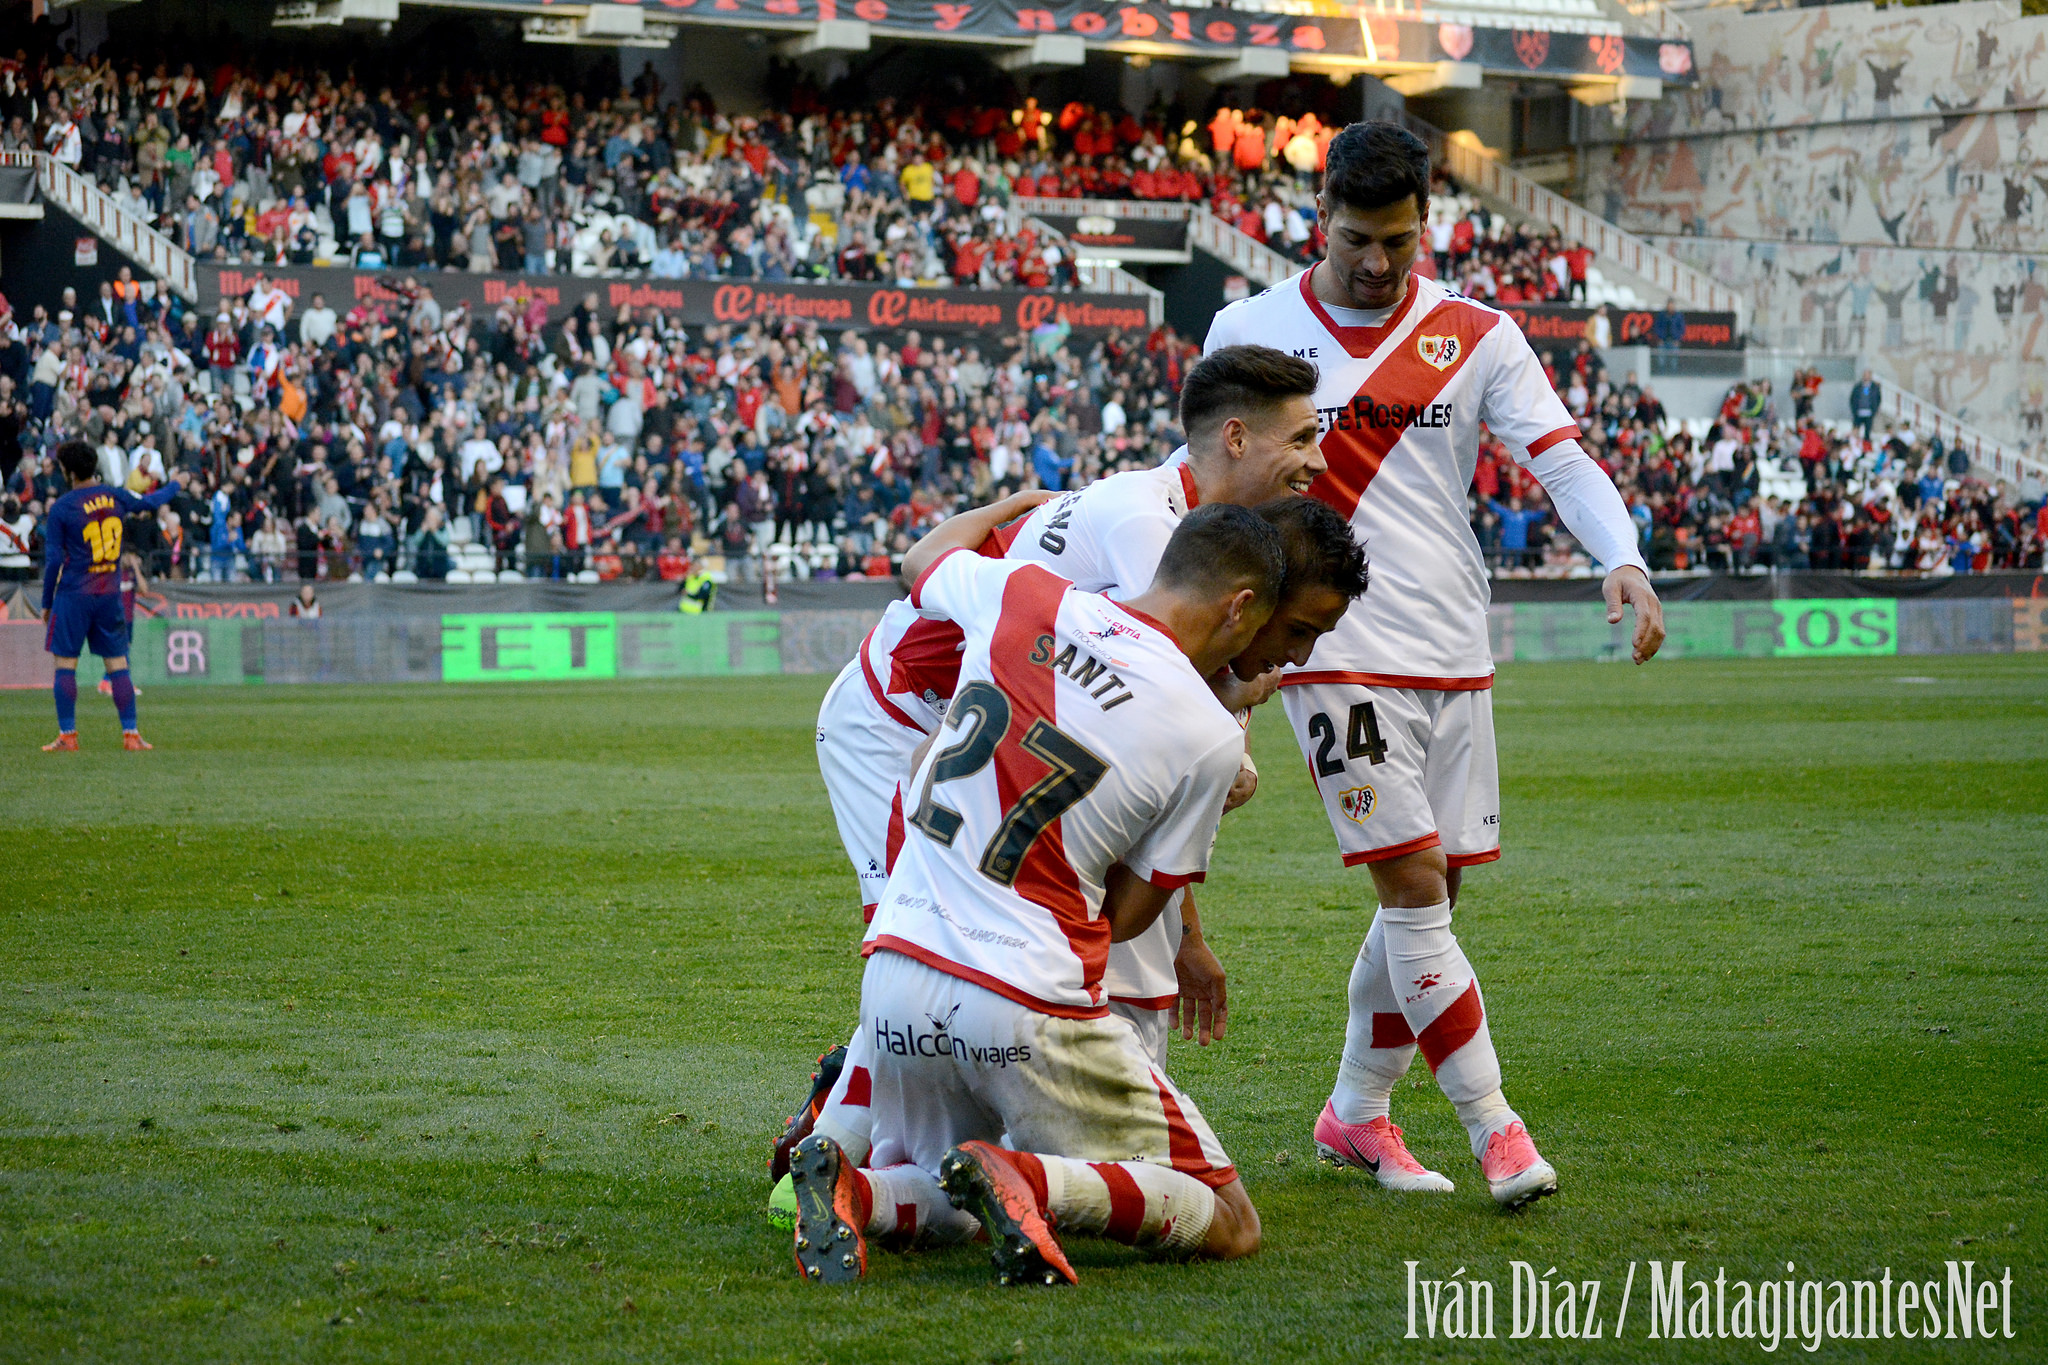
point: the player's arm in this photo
(1202, 1008)
(131, 503)
(1174, 851)
(1521, 408)
(1592, 510)
(54, 536)
(1131, 903)
(966, 530)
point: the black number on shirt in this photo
(1361, 739)
(982, 705)
(1075, 771)
(985, 712)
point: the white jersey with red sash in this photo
(1401, 405)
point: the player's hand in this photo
(1242, 789)
(1630, 586)
(1238, 695)
(1201, 1009)
(1017, 504)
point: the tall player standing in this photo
(1394, 710)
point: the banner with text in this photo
(696, 302)
(1553, 323)
(1172, 30)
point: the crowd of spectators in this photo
(1758, 489)
(387, 439)
(392, 436)
(404, 438)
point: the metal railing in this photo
(2002, 459)
(158, 255)
(1258, 263)
(1097, 276)
(1483, 173)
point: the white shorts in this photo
(1401, 769)
(947, 1061)
(862, 754)
(1153, 1027)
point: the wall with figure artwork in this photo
(1874, 179)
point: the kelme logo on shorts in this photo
(1357, 803)
(1440, 351)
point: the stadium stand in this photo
(398, 436)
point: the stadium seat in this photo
(459, 531)
(587, 576)
(511, 576)
(458, 575)
(405, 576)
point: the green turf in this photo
(444, 1023)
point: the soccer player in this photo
(1251, 431)
(1394, 710)
(1252, 438)
(1077, 784)
(82, 590)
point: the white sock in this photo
(906, 1201)
(1377, 1043)
(1133, 1202)
(1483, 1118)
(1439, 997)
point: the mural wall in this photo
(1874, 178)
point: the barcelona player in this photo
(82, 587)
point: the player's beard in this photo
(1372, 295)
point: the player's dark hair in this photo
(1222, 548)
(1372, 165)
(1237, 381)
(1321, 552)
(78, 459)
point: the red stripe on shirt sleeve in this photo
(1545, 442)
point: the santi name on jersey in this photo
(1084, 669)
(1365, 411)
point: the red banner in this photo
(699, 302)
(1554, 323)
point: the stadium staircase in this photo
(154, 255)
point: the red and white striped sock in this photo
(1378, 1045)
(1133, 1202)
(906, 1202)
(1445, 1013)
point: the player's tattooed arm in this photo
(1202, 1009)
(966, 530)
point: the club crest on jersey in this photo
(1440, 351)
(1357, 803)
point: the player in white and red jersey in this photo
(1394, 712)
(1252, 435)
(1077, 784)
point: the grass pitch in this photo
(445, 1023)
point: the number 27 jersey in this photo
(1400, 407)
(1080, 737)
